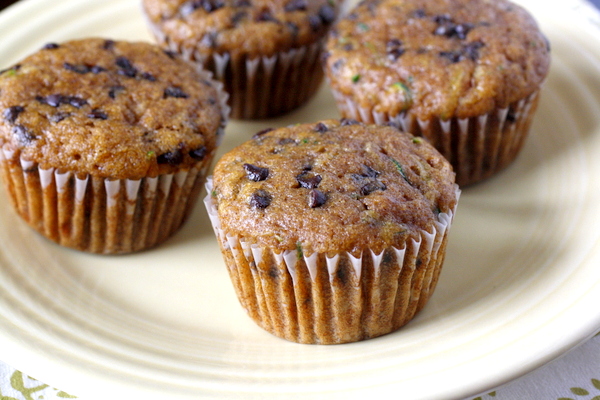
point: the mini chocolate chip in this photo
(212, 5)
(50, 46)
(316, 198)
(199, 153)
(23, 135)
(309, 180)
(242, 3)
(96, 113)
(369, 172)
(471, 50)
(266, 16)
(419, 13)
(451, 30)
(96, 69)
(238, 16)
(295, 5)
(113, 91)
(327, 14)
(11, 113)
(255, 173)
(174, 157)
(511, 116)
(260, 199)
(348, 121)
(315, 23)
(54, 100)
(108, 44)
(80, 69)
(394, 49)
(59, 116)
(321, 128)
(126, 67)
(339, 63)
(260, 133)
(442, 18)
(175, 91)
(76, 102)
(453, 56)
(148, 76)
(371, 187)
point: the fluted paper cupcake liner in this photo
(100, 215)
(259, 87)
(477, 147)
(333, 298)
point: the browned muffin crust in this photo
(437, 58)
(109, 109)
(333, 186)
(241, 27)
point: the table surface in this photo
(576, 375)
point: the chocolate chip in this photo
(97, 114)
(148, 76)
(371, 187)
(53, 100)
(471, 50)
(339, 63)
(511, 116)
(260, 199)
(108, 44)
(327, 14)
(80, 69)
(453, 56)
(321, 128)
(23, 135)
(96, 69)
(369, 172)
(293, 28)
(113, 91)
(316, 198)
(59, 116)
(394, 49)
(126, 67)
(50, 46)
(11, 113)
(255, 173)
(174, 157)
(315, 23)
(260, 133)
(348, 121)
(442, 18)
(175, 91)
(212, 5)
(419, 13)
(199, 153)
(76, 102)
(309, 180)
(238, 16)
(452, 30)
(295, 5)
(266, 16)
(242, 3)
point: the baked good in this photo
(335, 231)
(266, 52)
(105, 144)
(465, 74)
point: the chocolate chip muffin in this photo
(266, 52)
(465, 74)
(333, 232)
(105, 144)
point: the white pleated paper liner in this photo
(260, 87)
(477, 147)
(329, 299)
(100, 215)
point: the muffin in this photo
(104, 145)
(332, 232)
(266, 52)
(465, 74)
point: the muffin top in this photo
(241, 27)
(109, 109)
(332, 186)
(437, 58)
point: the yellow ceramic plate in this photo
(521, 284)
